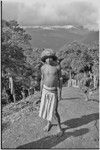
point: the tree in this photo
(15, 44)
(76, 57)
(94, 52)
(20, 63)
(34, 60)
(79, 58)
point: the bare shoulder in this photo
(43, 67)
(58, 67)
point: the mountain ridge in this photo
(57, 38)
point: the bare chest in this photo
(50, 71)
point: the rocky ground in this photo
(22, 128)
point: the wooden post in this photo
(11, 86)
(23, 94)
(94, 79)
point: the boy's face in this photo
(49, 60)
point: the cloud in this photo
(54, 12)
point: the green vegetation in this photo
(21, 63)
(78, 58)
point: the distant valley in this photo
(57, 37)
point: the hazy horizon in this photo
(53, 13)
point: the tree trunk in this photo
(70, 75)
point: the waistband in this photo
(50, 88)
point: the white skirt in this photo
(48, 102)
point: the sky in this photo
(53, 12)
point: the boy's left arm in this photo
(60, 82)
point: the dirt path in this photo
(79, 120)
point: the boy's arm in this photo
(59, 81)
(41, 84)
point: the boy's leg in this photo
(57, 117)
(48, 126)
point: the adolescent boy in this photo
(50, 80)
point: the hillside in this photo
(57, 38)
(22, 128)
(93, 36)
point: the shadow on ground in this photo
(95, 100)
(53, 140)
(77, 122)
(73, 98)
(78, 98)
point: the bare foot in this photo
(60, 99)
(60, 131)
(47, 127)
